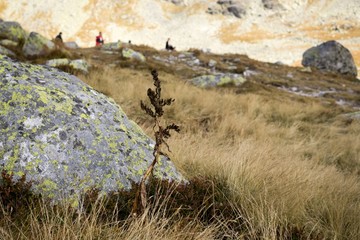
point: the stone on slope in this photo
(58, 62)
(7, 52)
(8, 43)
(37, 45)
(77, 64)
(66, 137)
(129, 53)
(272, 4)
(112, 46)
(80, 64)
(71, 45)
(330, 56)
(12, 31)
(218, 80)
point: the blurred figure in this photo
(168, 46)
(99, 39)
(59, 37)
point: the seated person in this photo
(168, 46)
(58, 37)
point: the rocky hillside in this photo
(266, 30)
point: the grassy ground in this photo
(286, 166)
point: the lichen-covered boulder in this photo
(112, 46)
(7, 52)
(129, 53)
(78, 64)
(12, 31)
(330, 56)
(218, 80)
(58, 62)
(37, 45)
(67, 137)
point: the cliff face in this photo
(268, 30)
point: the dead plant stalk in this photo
(161, 133)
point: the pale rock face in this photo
(271, 30)
(66, 137)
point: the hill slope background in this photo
(272, 34)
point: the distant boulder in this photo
(129, 53)
(68, 138)
(176, 2)
(78, 64)
(330, 56)
(12, 31)
(218, 80)
(37, 45)
(112, 46)
(58, 62)
(237, 9)
(71, 45)
(272, 4)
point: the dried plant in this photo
(161, 134)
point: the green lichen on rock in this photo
(129, 53)
(77, 64)
(80, 64)
(218, 80)
(112, 46)
(12, 31)
(58, 62)
(66, 137)
(6, 52)
(8, 43)
(37, 45)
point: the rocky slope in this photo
(267, 30)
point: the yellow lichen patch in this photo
(228, 34)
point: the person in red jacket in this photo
(99, 39)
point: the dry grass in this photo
(292, 164)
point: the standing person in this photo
(168, 46)
(99, 39)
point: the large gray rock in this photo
(67, 137)
(12, 31)
(330, 56)
(237, 9)
(37, 45)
